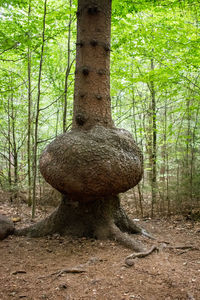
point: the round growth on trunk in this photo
(87, 164)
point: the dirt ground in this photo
(71, 269)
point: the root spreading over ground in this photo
(100, 219)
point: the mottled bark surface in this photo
(92, 77)
(101, 219)
(92, 163)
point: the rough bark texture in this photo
(92, 163)
(92, 79)
(101, 219)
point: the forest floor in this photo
(64, 268)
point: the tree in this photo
(37, 113)
(95, 161)
(172, 161)
(29, 112)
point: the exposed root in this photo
(101, 219)
(124, 239)
(129, 261)
(47, 226)
(126, 224)
(147, 234)
(133, 228)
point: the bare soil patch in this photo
(71, 269)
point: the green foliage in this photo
(165, 33)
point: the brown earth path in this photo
(27, 266)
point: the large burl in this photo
(86, 164)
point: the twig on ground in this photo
(18, 272)
(188, 247)
(72, 271)
(58, 273)
(184, 247)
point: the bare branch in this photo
(51, 103)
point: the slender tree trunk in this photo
(154, 144)
(9, 148)
(179, 198)
(69, 64)
(167, 186)
(14, 147)
(57, 120)
(193, 148)
(164, 170)
(166, 163)
(37, 113)
(188, 149)
(141, 199)
(29, 112)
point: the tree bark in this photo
(98, 219)
(69, 65)
(37, 113)
(92, 75)
(135, 128)
(94, 161)
(29, 113)
(14, 147)
(154, 143)
(9, 148)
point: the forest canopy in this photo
(155, 92)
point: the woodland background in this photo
(155, 94)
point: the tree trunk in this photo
(154, 144)
(194, 171)
(69, 64)
(37, 113)
(95, 161)
(29, 113)
(135, 129)
(92, 79)
(98, 219)
(9, 149)
(14, 147)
